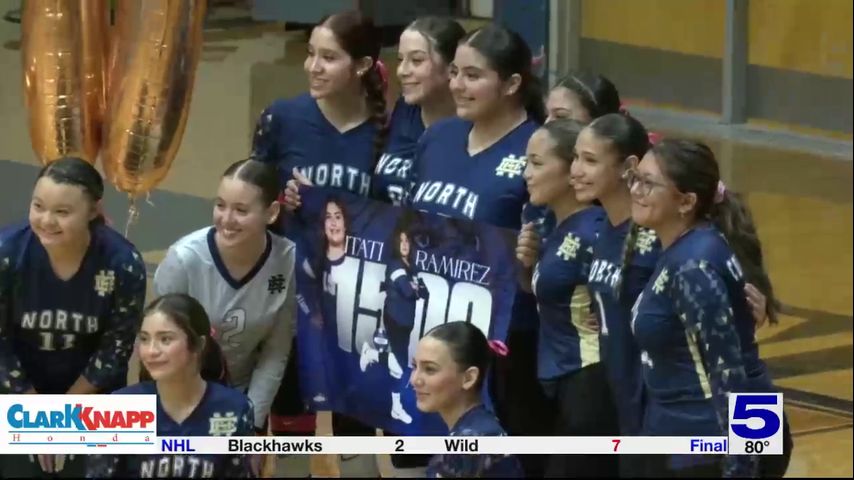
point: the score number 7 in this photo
(616, 443)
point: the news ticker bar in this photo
(123, 443)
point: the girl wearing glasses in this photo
(692, 322)
(624, 258)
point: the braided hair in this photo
(358, 36)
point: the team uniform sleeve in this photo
(239, 466)
(273, 358)
(12, 378)
(401, 282)
(110, 361)
(477, 466)
(264, 138)
(103, 466)
(414, 171)
(700, 298)
(171, 275)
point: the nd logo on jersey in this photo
(755, 423)
(105, 282)
(511, 166)
(223, 425)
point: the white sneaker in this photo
(397, 411)
(368, 356)
(394, 367)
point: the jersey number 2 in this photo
(233, 325)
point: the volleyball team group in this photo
(641, 276)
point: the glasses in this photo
(643, 184)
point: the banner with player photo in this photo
(372, 279)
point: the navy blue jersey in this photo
(52, 331)
(477, 422)
(560, 279)
(295, 133)
(696, 334)
(487, 187)
(403, 289)
(392, 180)
(619, 350)
(223, 411)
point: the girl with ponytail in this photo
(183, 366)
(64, 264)
(692, 322)
(624, 257)
(226, 266)
(471, 166)
(331, 136)
(425, 52)
(584, 96)
(450, 366)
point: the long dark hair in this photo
(564, 133)
(322, 240)
(79, 173)
(358, 36)
(596, 93)
(692, 167)
(508, 54)
(190, 317)
(628, 137)
(442, 33)
(468, 345)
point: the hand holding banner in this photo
(380, 277)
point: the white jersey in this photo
(254, 318)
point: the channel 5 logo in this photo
(756, 424)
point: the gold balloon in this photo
(64, 47)
(155, 49)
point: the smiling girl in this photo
(624, 258)
(71, 295)
(451, 362)
(331, 136)
(569, 366)
(174, 343)
(425, 52)
(471, 167)
(692, 322)
(243, 275)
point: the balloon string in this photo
(133, 215)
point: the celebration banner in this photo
(372, 279)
